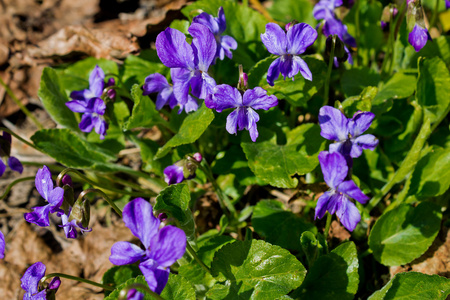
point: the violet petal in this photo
(173, 50)
(124, 253)
(32, 276)
(257, 98)
(333, 124)
(348, 215)
(169, 246)
(352, 190)
(274, 39)
(299, 38)
(15, 164)
(334, 168)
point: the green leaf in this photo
(289, 10)
(276, 164)
(362, 102)
(404, 233)
(431, 176)
(256, 270)
(144, 112)
(137, 68)
(333, 276)
(180, 25)
(120, 274)
(278, 225)
(433, 87)
(356, 79)
(71, 150)
(207, 249)
(174, 201)
(299, 91)
(148, 150)
(414, 286)
(190, 130)
(53, 97)
(244, 24)
(177, 288)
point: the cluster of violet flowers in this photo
(336, 164)
(90, 102)
(57, 203)
(189, 65)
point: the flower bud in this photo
(67, 180)
(81, 212)
(389, 13)
(162, 217)
(197, 156)
(243, 79)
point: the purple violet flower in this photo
(2, 245)
(30, 283)
(347, 132)
(189, 63)
(217, 26)
(244, 116)
(5, 151)
(156, 83)
(173, 174)
(93, 111)
(90, 104)
(337, 199)
(70, 227)
(163, 247)
(418, 37)
(324, 9)
(133, 294)
(54, 197)
(288, 46)
(447, 4)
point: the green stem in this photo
(390, 44)
(22, 107)
(19, 138)
(407, 165)
(224, 202)
(435, 14)
(107, 199)
(357, 33)
(327, 226)
(330, 67)
(8, 188)
(197, 259)
(62, 275)
(123, 293)
(396, 28)
(83, 177)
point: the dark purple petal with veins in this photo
(348, 214)
(322, 205)
(124, 253)
(165, 96)
(86, 123)
(97, 82)
(181, 79)
(274, 71)
(350, 189)
(78, 106)
(2, 245)
(204, 46)
(299, 65)
(209, 21)
(257, 98)
(138, 217)
(30, 280)
(253, 117)
(333, 124)
(360, 122)
(169, 246)
(418, 37)
(56, 198)
(223, 97)
(82, 95)
(221, 21)
(232, 120)
(366, 141)
(226, 43)
(334, 168)
(299, 38)
(154, 83)
(100, 127)
(156, 277)
(39, 215)
(202, 84)
(15, 164)
(274, 39)
(173, 50)
(43, 182)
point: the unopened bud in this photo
(67, 180)
(389, 13)
(111, 93)
(162, 217)
(243, 79)
(197, 156)
(81, 212)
